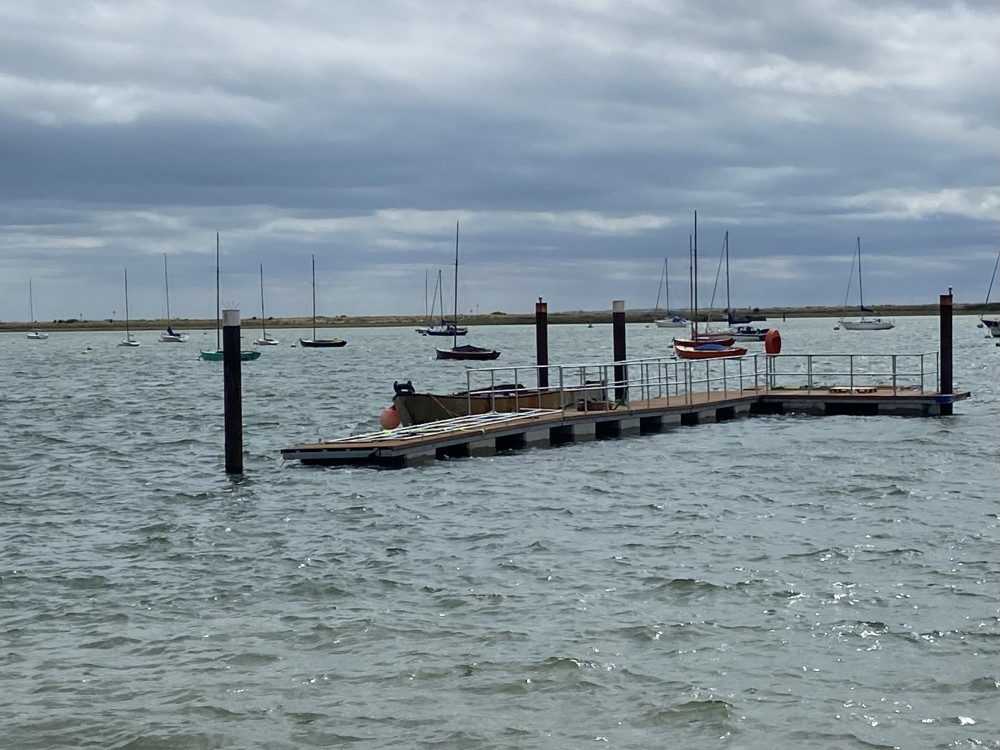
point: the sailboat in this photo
(429, 303)
(264, 339)
(703, 345)
(169, 336)
(864, 323)
(466, 351)
(34, 334)
(314, 342)
(128, 340)
(444, 327)
(739, 328)
(992, 322)
(218, 353)
(672, 319)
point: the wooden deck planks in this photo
(394, 446)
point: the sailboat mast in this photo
(666, 284)
(438, 298)
(263, 320)
(218, 302)
(127, 336)
(454, 337)
(31, 303)
(861, 293)
(166, 287)
(993, 278)
(314, 294)
(659, 290)
(694, 265)
(729, 311)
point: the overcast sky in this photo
(573, 140)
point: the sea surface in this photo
(777, 582)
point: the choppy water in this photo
(773, 582)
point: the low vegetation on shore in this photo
(495, 318)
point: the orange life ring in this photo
(389, 418)
(772, 342)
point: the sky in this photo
(572, 141)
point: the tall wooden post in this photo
(618, 331)
(946, 350)
(542, 342)
(233, 388)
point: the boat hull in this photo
(322, 343)
(446, 331)
(672, 323)
(265, 342)
(722, 339)
(748, 333)
(36, 336)
(467, 352)
(872, 324)
(421, 408)
(708, 351)
(217, 355)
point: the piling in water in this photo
(233, 388)
(946, 350)
(542, 342)
(618, 331)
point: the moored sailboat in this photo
(671, 319)
(317, 343)
(466, 351)
(443, 327)
(739, 327)
(218, 354)
(170, 336)
(703, 345)
(992, 322)
(264, 339)
(34, 334)
(128, 340)
(863, 323)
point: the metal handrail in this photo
(668, 377)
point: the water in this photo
(774, 582)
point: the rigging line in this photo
(992, 279)
(850, 280)
(659, 289)
(718, 272)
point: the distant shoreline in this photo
(770, 315)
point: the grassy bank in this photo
(555, 318)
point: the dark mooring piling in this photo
(618, 332)
(542, 342)
(946, 386)
(233, 389)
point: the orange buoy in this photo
(389, 418)
(772, 342)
